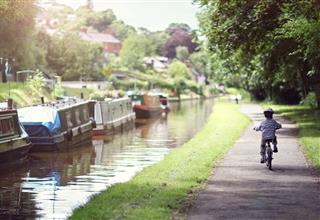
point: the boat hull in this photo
(62, 142)
(143, 111)
(16, 155)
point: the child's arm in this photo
(257, 128)
(278, 126)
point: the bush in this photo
(310, 100)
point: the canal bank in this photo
(162, 190)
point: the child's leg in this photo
(263, 150)
(274, 143)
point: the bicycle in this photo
(269, 153)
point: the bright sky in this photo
(151, 14)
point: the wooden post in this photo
(10, 103)
(81, 95)
(42, 100)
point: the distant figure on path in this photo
(268, 128)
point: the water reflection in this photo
(51, 185)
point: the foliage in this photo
(200, 61)
(107, 71)
(74, 59)
(134, 49)
(174, 26)
(102, 20)
(272, 45)
(16, 29)
(310, 100)
(164, 188)
(178, 37)
(36, 83)
(182, 53)
(121, 30)
(179, 69)
(58, 90)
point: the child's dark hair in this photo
(268, 113)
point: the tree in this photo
(16, 29)
(102, 20)
(177, 69)
(177, 38)
(121, 30)
(134, 49)
(273, 41)
(74, 59)
(182, 53)
(200, 61)
(174, 26)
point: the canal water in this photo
(51, 185)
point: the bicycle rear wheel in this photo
(269, 157)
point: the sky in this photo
(152, 14)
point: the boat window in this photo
(78, 119)
(69, 119)
(85, 114)
(7, 126)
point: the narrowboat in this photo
(112, 114)
(146, 105)
(14, 141)
(58, 126)
(164, 102)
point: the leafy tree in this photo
(74, 59)
(177, 38)
(16, 29)
(200, 61)
(272, 45)
(121, 30)
(182, 53)
(178, 69)
(174, 26)
(134, 49)
(158, 39)
(36, 84)
(102, 20)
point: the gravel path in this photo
(242, 188)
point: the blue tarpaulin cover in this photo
(37, 118)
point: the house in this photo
(110, 43)
(156, 63)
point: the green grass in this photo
(77, 92)
(21, 94)
(164, 188)
(308, 120)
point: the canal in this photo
(51, 185)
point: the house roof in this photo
(99, 37)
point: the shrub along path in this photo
(242, 188)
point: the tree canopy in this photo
(271, 46)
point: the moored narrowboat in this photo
(146, 105)
(112, 114)
(54, 127)
(14, 141)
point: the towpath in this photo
(242, 188)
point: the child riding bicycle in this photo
(268, 128)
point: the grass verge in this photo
(21, 94)
(162, 189)
(308, 120)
